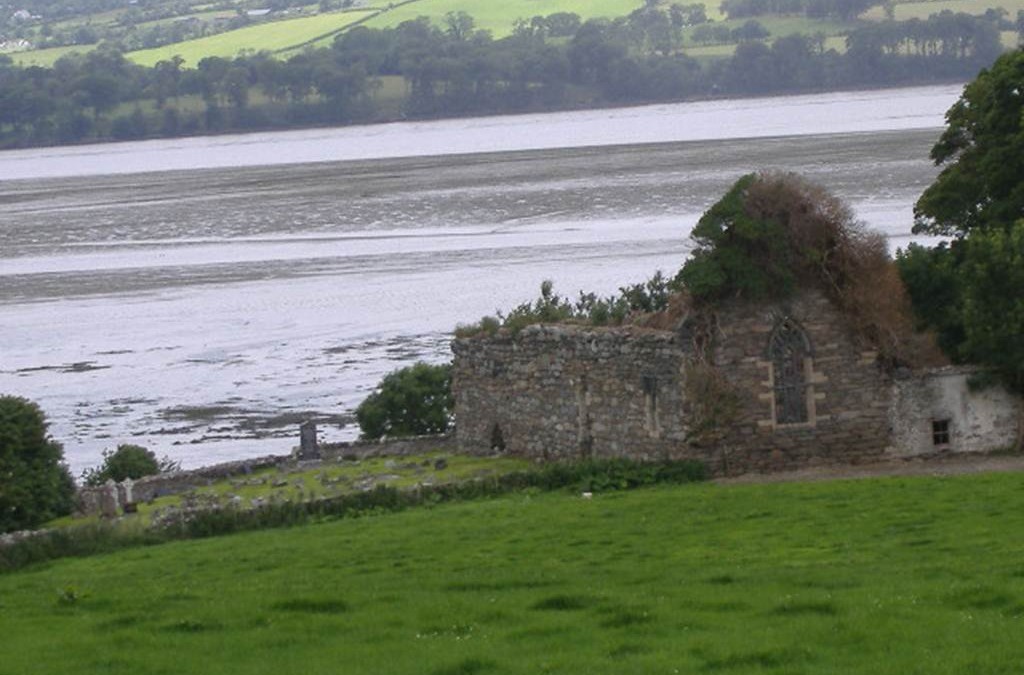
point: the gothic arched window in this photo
(788, 350)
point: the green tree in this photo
(35, 485)
(411, 401)
(971, 292)
(982, 149)
(128, 461)
(993, 302)
(738, 253)
(750, 30)
(932, 278)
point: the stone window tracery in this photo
(788, 351)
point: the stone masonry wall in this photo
(569, 392)
(557, 392)
(847, 392)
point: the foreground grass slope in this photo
(881, 576)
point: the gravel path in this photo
(932, 466)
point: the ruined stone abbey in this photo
(774, 386)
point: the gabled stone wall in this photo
(555, 392)
(847, 393)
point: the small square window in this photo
(940, 432)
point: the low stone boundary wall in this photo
(109, 499)
(12, 538)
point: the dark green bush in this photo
(35, 485)
(128, 461)
(411, 401)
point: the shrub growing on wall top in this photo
(771, 233)
(774, 233)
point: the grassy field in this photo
(207, 17)
(778, 27)
(498, 17)
(332, 479)
(271, 36)
(285, 37)
(46, 57)
(889, 576)
(922, 10)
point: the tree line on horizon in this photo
(548, 63)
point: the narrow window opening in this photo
(584, 423)
(788, 350)
(649, 384)
(497, 438)
(940, 433)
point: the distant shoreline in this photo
(400, 119)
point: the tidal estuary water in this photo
(202, 296)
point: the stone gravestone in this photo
(124, 491)
(308, 447)
(87, 501)
(109, 503)
(127, 498)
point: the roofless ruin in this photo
(785, 341)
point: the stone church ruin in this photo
(802, 392)
(826, 371)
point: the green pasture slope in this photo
(500, 17)
(888, 576)
(272, 36)
(46, 57)
(290, 35)
(287, 37)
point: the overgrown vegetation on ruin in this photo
(771, 235)
(773, 578)
(591, 309)
(775, 233)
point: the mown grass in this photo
(499, 17)
(271, 36)
(907, 575)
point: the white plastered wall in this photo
(982, 420)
